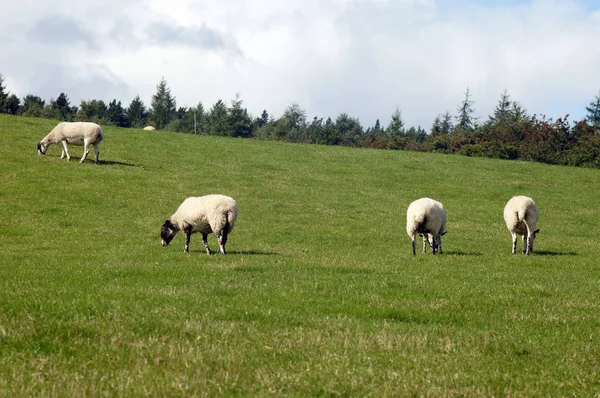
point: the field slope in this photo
(319, 295)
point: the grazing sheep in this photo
(427, 218)
(521, 215)
(79, 133)
(149, 128)
(204, 214)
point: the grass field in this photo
(319, 294)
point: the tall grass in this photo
(319, 294)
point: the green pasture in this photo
(319, 294)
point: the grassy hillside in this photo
(319, 293)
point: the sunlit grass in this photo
(320, 293)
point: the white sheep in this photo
(204, 214)
(149, 128)
(427, 218)
(78, 133)
(521, 215)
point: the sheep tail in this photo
(421, 223)
(521, 213)
(229, 221)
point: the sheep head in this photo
(42, 148)
(167, 232)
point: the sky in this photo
(365, 58)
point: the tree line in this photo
(509, 133)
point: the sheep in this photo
(521, 215)
(78, 133)
(204, 214)
(149, 128)
(427, 218)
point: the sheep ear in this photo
(443, 233)
(536, 231)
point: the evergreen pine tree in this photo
(446, 125)
(115, 114)
(218, 119)
(163, 106)
(3, 95)
(263, 119)
(377, 129)
(502, 112)
(63, 106)
(136, 113)
(396, 125)
(465, 119)
(436, 128)
(593, 116)
(12, 105)
(240, 123)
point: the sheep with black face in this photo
(426, 217)
(521, 215)
(205, 214)
(78, 133)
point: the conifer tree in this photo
(12, 104)
(3, 95)
(465, 119)
(446, 124)
(137, 114)
(263, 119)
(593, 116)
(218, 119)
(396, 125)
(436, 127)
(240, 123)
(502, 112)
(115, 114)
(63, 106)
(163, 106)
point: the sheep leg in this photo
(425, 242)
(440, 245)
(205, 243)
(514, 235)
(530, 233)
(64, 150)
(188, 234)
(414, 244)
(527, 242)
(86, 150)
(434, 244)
(97, 150)
(222, 241)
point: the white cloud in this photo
(362, 57)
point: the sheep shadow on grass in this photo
(115, 163)
(252, 252)
(237, 252)
(460, 253)
(553, 253)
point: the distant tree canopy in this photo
(508, 133)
